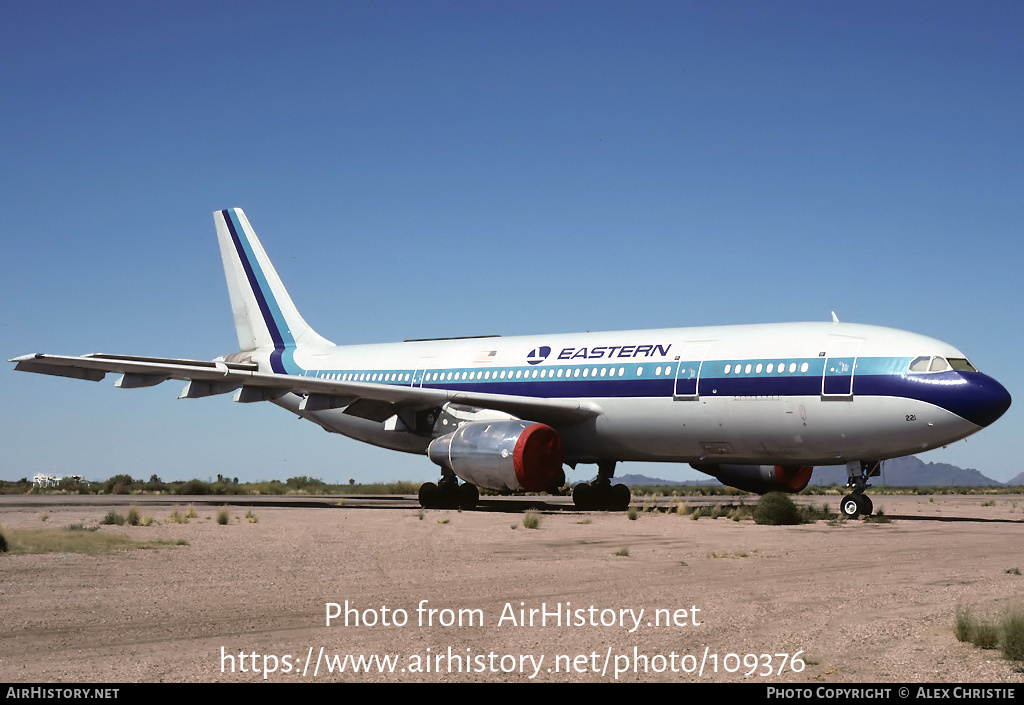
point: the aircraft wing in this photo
(372, 401)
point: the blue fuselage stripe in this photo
(970, 395)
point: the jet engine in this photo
(516, 456)
(759, 478)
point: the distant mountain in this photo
(1017, 479)
(900, 472)
(909, 472)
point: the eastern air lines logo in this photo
(538, 355)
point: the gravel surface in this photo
(841, 602)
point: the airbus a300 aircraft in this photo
(756, 406)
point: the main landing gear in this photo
(602, 495)
(448, 494)
(857, 503)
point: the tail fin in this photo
(265, 317)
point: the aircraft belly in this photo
(787, 430)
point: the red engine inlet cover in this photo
(793, 478)
(537, 458)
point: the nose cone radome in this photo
(990, 400)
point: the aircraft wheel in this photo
(866, 507)
(429, 495)
(447, 494)
(850, 506)
(621, 497)
(469, 495)
(583, 496)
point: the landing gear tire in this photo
(448, 495)
(851, 506)
(601, 497)
(621, 497)
(469, 495)
(866, 507)
(582, 496)
(429, 495)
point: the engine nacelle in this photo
(517, 456)
(759, 478)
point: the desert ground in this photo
(448, 596)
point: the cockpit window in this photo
(936, 363)
(920, 364)
(961, 364)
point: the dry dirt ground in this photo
(831, 602)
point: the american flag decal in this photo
(485, 357)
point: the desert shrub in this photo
(963, 626)
(632, 513)
(1013, 636)
(222, 517)
(776, 509)
(194, 486)
(113, 517)
(968, 627)
(80, 527)
(741, 513)
(531, 520)
(133, 516)
(985, 635)
(118, 484)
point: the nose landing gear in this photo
(857, 503)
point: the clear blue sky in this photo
(423, 169)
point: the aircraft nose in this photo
(989, 399)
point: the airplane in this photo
(755, 406)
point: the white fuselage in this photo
(808, 393)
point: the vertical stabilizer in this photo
(265, 317)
